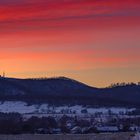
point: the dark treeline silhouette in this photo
(14, 123)
(123, 84)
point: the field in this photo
(113, 136)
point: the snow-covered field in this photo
(24, 108)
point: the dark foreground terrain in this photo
(111, 136)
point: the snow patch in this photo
(24, 108)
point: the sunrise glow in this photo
(94, 41)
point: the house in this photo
(56, 131)
(133, 128)
(42, 131)
(107, 128)
(87, 130)
(76, 130)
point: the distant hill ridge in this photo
(63, 90)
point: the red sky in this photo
(94, 41)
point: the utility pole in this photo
(3, 75)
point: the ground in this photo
(107, 136)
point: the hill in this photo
(64, 90)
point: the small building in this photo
(107, 128)
(134, 128)
(76, 130)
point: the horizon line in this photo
(65, 77)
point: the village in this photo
(66, 121)
(90, 123)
